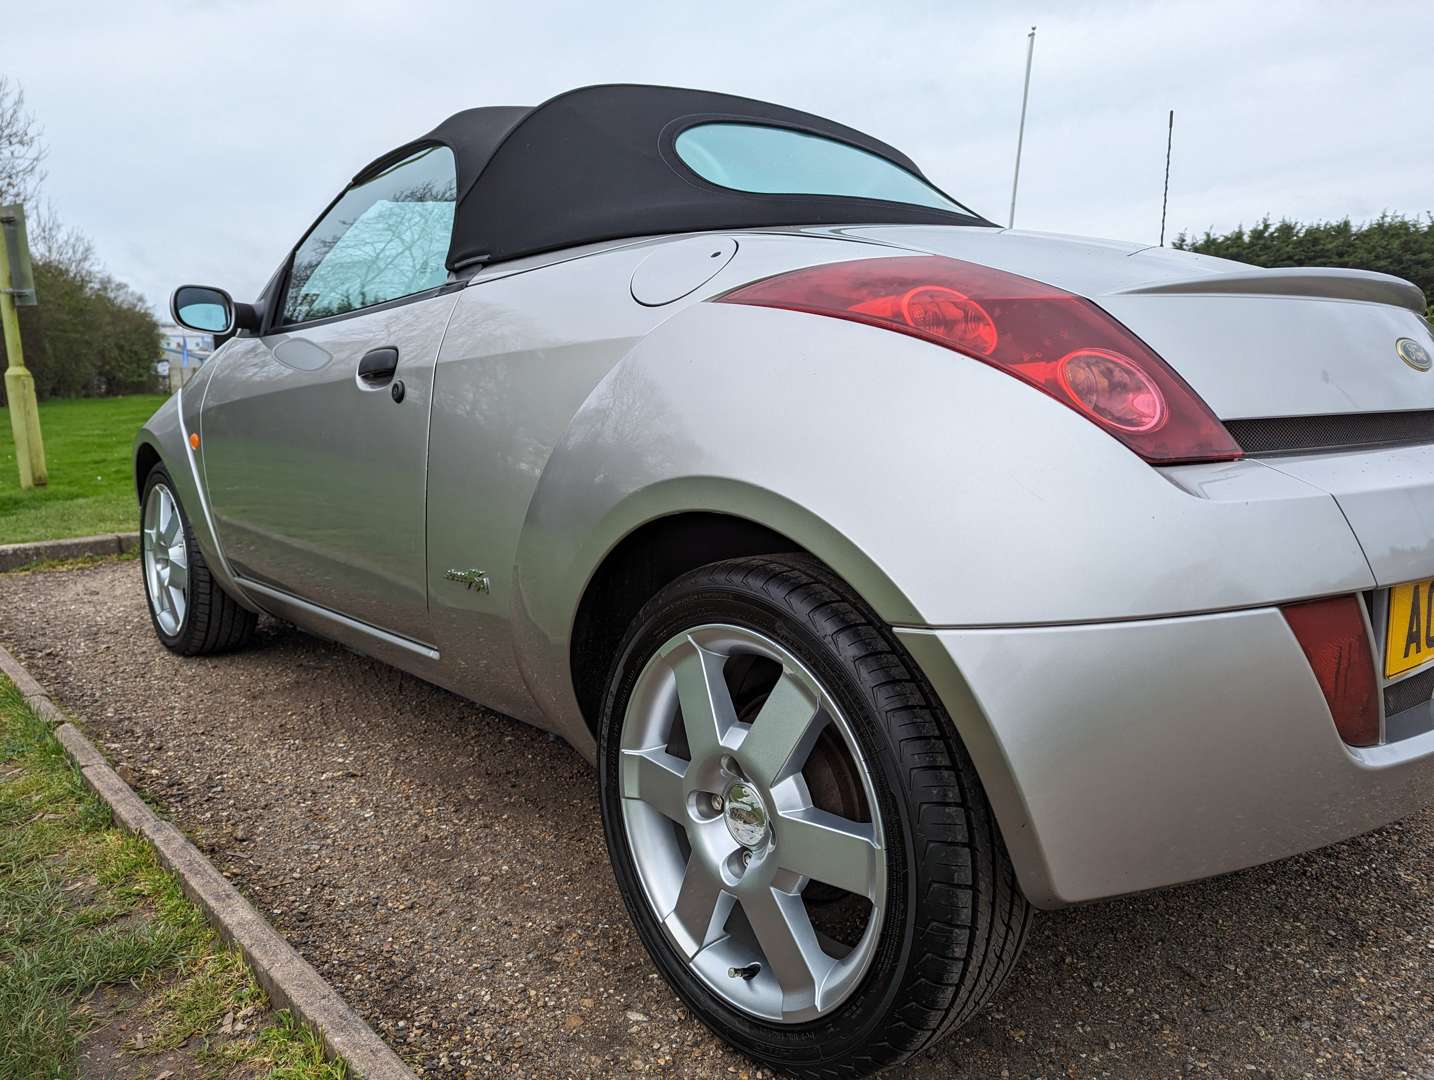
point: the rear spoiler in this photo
(1323, 282)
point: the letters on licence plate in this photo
(1409, 637)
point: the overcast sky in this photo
(195, 141)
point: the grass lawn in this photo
(87, 451)
(105, 968)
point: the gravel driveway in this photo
(443, 866)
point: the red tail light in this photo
(1059, 343)
(1334, 640)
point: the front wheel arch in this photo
(146, 457)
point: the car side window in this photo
(771, 161)
(385, 238)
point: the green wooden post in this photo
(17, 285)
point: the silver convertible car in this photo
(900, 573)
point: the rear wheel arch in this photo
(636, 569)
(653, 554)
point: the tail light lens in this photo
(1334, 640)
(1059, 343)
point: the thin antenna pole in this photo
(1165, 199)
(1021, 132)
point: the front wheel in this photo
(799, 837)
(191, 614)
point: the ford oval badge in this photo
(1414, 354)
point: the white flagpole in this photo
(1021, 132)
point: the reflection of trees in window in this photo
(394, 246)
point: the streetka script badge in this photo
(471, 579)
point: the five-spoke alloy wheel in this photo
(800, 839)
(727, 840)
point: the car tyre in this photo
(191, 614)
(948, 919)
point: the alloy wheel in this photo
(166, 559)
(752, 823)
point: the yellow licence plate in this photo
(1409, 638)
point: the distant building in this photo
(176, 340)
(181, 353)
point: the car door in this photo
(315, 433)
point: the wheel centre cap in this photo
(745, 815)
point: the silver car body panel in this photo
(317, 482)
(1016, 547)
(1388, 497)
(511, 377)
(1153, 547)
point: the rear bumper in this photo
(1132, 755)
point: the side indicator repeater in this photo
(194, 440)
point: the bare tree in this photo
(52, 241)
(22, 148)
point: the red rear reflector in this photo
(1336, 643)
(1059, 343)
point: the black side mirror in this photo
(211, 311)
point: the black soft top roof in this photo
(598, 163)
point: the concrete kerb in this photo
(13, 556)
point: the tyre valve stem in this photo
(748, 973)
